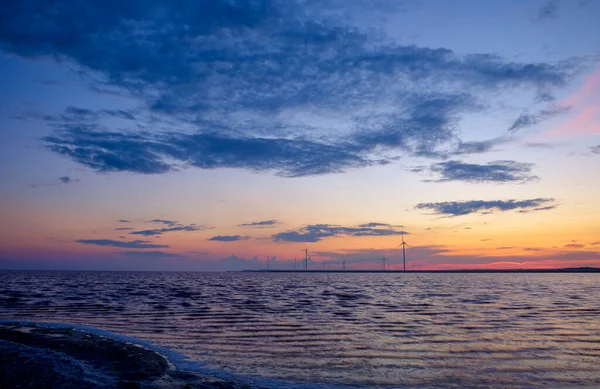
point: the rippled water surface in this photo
(369, 330)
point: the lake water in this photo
(340, 329)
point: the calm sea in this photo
(364, 330)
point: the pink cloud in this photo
(591, 85)
(585, 103)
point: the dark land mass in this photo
(565, 270)
(40, 356)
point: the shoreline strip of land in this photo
(40, 356)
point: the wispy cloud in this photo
(228, 238)
(68, 180)
(374, 225)
(595, 149)
(585, 119)
(317, 232)
(171, 226)
(549, 10)
(260, 224)
(169, 223)
(528, 119)
(459, 208)
(160, 231)
(135, 244)
(150, 254)
(497, 171)
(269, 66)
(574, 246)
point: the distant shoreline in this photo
(563, 270)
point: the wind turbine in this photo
(403, 244)
(305, 258)
(383, 259)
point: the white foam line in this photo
(179, 361)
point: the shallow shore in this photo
(43, 356)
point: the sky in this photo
(213, 135)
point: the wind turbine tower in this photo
(403, 244)
(383, 259)
(306, 259)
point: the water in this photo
(365, 330)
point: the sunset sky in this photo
(208, 135)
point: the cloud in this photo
(228, 238)
(585, 119)
(160, 231)
(459, 208)
(172, 226)
(123, 221)
(169, 223)
(68, 180)
(595, 243)
(595, 149)
(123, 228)
(374, 225)
(136, 244)
(477, 147)
(574, 246)
(317, 232)
(548, 11)
(150, 254)
(287, 87)
(528, 120)
(260, 224)
(145, 154)
(496, 171)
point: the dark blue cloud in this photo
(478, 147)
(497, 171)
(459, 208)
(172, 226)
(149, 254)
(123, 221)
(229, 78)
(123, 228)
(111, 151)
(528, 120)
(160, 231)
(549, 10)
(374, 225)
(260, 224)
(169, 223)
(135, 244)
(66, 180)
(595, 149)
(228, 238)
(317, 232)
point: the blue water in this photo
(364, 330)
